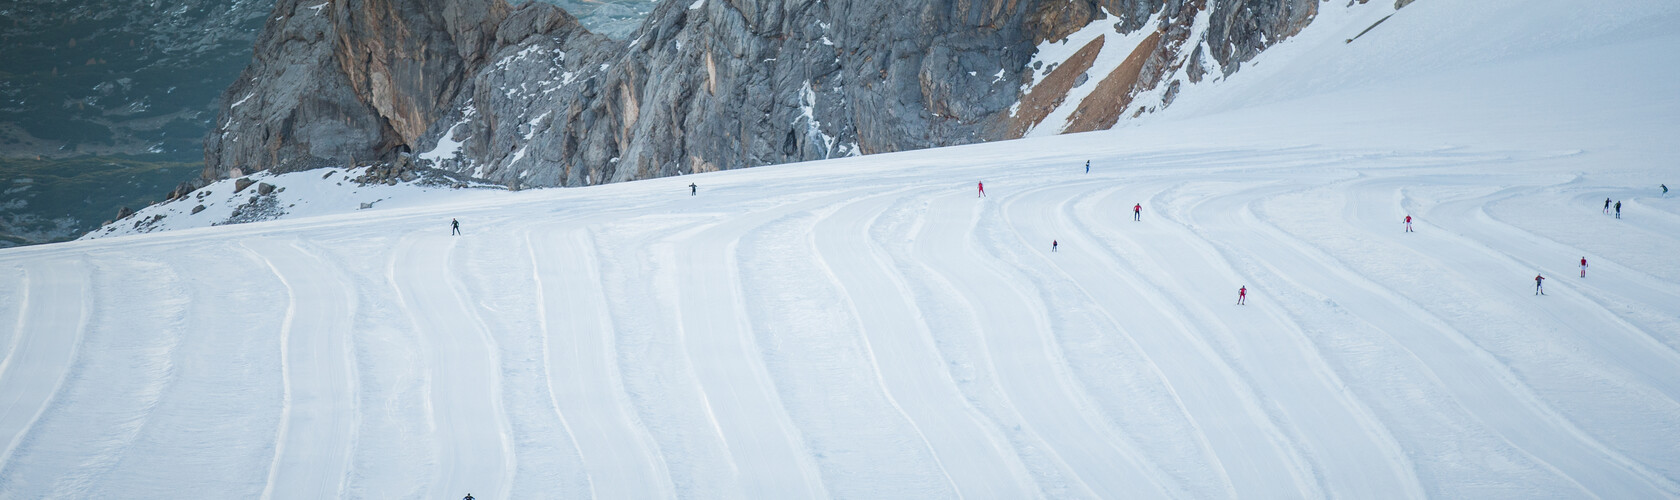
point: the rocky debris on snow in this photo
(197, 209)
(264, 188)
(241, 184)
(257, 208)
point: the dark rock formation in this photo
(527, 96)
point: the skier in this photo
(1052, 245)
(1242, 294)
(1606, 206)
(468, 497)
(1664, 186)
(1538, 289)
(1408, 223)
(982, 187)
(1618, 209)
(693, 189)
(1088, 170)
(1583, 267)
(1137, 212)
(454, 227)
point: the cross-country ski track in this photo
(896, 336)
(872, 327)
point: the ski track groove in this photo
(17, 400)
(840, 353)
(1305, 438)
(548, 357)
(1034, 264)
(470, 438)
(329, 411)
(688, 350)
(971, 366)
(1607, 368)
(1080, 444)
(596, 375)
(842, 237)
(1237, 453)
(1522, 395)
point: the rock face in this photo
(526, 96)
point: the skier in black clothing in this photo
(1538, 289)
(454, 227)
(468, 497)
(1088, 170)
(1664, 186)
(1052, 245)
(1618, 210)
(1606, 206)
(692, 189)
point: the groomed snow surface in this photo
(870, 328)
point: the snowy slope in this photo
(868, 327)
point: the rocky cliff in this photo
(527, 96)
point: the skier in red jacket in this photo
(982, 187)
(1583, 267)
(1242, 294)
(1137, 212)
(1408, 223)
(1538, 289)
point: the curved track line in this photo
(1193, 354)
(1080, 326)
(622, 459)
(313, 448)
(815, 353)
(1353, 454)
(905, 364)
(952, 327)
(473, 452)
(1508, 405)
(1026, 365)
(52, 317)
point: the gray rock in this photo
(241, 184)
(264, 188)
(197, 209)
(535, 99)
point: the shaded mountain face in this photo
(527, 95)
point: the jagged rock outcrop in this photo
(341, 80)
(526, 96)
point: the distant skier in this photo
(1137, 212)
(1539, 289)
(1088, 170)
(1052, 245)
(982, 187)
(1583, 267)
(1606, 206)
(454, 227)
(693, 189)
(1408, 223)
(1664, 186)
(468, 497)
(1618, 209)
(1242, 294)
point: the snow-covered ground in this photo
(868, 327)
